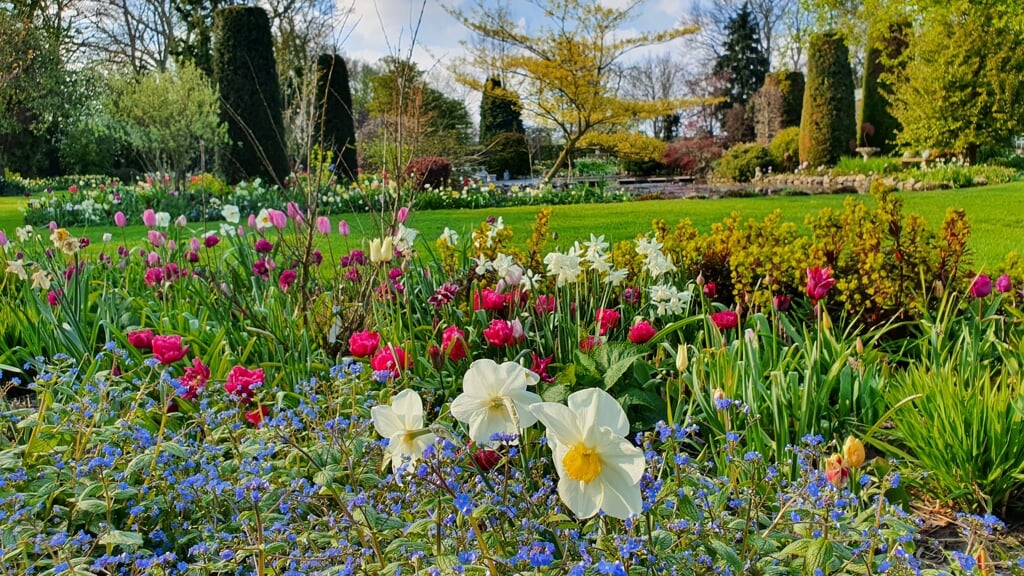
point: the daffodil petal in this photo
(620, 496)
(385, 421)
(523, 400)
(595, 407)
(466, 405)
(559, 421)
(484, 424)
(617, 452)
(409, 406)
(584, 500)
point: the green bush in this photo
(785, 148)
(335, 128)
(828, 124)
(246, 73)
(740, 163)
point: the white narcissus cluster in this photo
(656, 261)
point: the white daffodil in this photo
(263, 220)
(17, 267)
(502, 263)
(595, 247)
(565, 267)
(450, 237)
(494, 399)
(616, 277)
(483, 265)
(402, 424)
(598, 469)
(24, 233)
(41, 279)
(230, 213)
(404, 238)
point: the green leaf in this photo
(730, 556)
(121, 538)
(556, 393)
(91, 506)
(819, 552)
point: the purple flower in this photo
(981, 286)
(1003, 284)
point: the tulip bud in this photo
(682, 358)
(717, 395)
(859, 346)
(700, 280)
(837, 471)
(938, 289)
(853, 452)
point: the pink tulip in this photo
(156, 238)
(819, 282)
(1003, 284)
(293, 210)
(403, 214)
(53, 226)
(343, 228)
(981, 286)
(252, 221)
(193, 244)
(120, 221)
(149, 217)
(278, 219)
(323, 224)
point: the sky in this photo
(376, 28)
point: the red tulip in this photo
(641, 332)
(726, 319)
(168, 349)
(363, 344)
(606, 320)
(453, 342)
(242, 382)
(392, 359)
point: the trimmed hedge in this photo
(740, 163)
(828, 125)
(335, 129)
(878, 127)
(246, 73)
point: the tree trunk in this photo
(563, 157)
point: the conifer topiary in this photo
(335, 128)
(828, 124)
(878, 127)
(246, 74)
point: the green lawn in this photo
(995, 219)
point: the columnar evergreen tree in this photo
(501, 130)
(243, 63)
(828, 125)
(878, 127)
(743, 63)
(499, 111)
(335, 129)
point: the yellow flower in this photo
(853, 452)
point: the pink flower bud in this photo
(119, 220)
(343, 228)
(149, 217)
(323, 225)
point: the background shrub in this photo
(692, 156)
(778, 104)
(246, 73)
(828, 123)
(785, 148)
(432, 171)
(740, 163)
(334, 128)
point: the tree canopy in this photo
(565, 71)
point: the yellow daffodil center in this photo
(582, 464)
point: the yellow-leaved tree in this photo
(567, 72)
